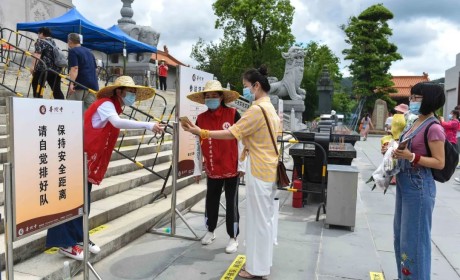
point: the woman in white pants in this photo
(253, 130)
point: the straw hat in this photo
(211, 86)
(142, 93)
(403, 108)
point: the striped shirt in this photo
(253, 131)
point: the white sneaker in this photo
(457, 180)
(93, 248)
(232, 246)
(208, 238)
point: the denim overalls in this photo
(415, 199)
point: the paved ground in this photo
(306, 249)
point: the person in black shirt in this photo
(44, 51)
(82, 69)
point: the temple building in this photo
(403, 84)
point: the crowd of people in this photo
(230, 146)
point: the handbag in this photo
(282, 179)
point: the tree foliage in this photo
(371, 54)
(263, 26)
(317, 56)
(342, 103)
(255, 33)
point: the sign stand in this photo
(8, 221)
(60, 177)
(174, 209)
(9, 225)
(86, 253)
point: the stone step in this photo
(102, 212)
(3, 141)
(117, 234)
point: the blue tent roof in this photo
(94, 37)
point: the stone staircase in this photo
(121, 208)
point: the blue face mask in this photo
(212, 103)
(414, 107)
(129, 99)
(449, 116)
(247, 94)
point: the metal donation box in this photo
(341, 195)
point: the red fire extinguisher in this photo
(297, 197)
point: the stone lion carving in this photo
(289, 86)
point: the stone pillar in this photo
(325, 89)
(126, 13)
(299, 108)
(379, 115)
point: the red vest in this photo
(99, 142)
(220, 156)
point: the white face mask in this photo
(129, 98)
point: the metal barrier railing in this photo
(12, 54)
(14, 60)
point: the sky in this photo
(427, 33)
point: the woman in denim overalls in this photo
(415, 187)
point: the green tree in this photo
(255, 33)
(342, 103)
(317, 56)
(264, 26)
(371, 54)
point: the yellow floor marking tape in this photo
(54, 250)
(376, 276)
(97, 229)
(234, 268)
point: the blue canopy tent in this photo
(94, 37)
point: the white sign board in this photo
(190, 80)
(46, 153)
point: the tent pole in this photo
(124, 58)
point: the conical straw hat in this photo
(142, 93)
(214, 86)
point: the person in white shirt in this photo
(102, 126)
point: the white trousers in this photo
(259, 224)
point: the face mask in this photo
(449, 116)
(129, 99)
(247, 94)
(414, 107)
(212, 103)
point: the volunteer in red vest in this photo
(221, 160)
(163, 74)
(102, 125)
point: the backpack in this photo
(451, 158)
(59, 58)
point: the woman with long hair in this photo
(254, 130)
(415, 186)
